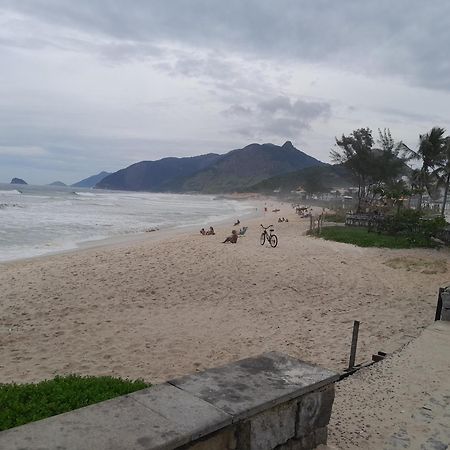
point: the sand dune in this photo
(158, 309)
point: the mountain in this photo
(158, 176)
(91, 181)
(312, 179)
(245, 167)
(18, 181)
(211, 173)
(58, 183)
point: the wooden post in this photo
(351, 363)
(439, 306)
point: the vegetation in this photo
(429, 153)
(313, 180)
(23, 403)
(372, 167)
(442, 171)
(381, 172)
(362, 238)
(338, 216)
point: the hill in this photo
(211, 173)
(18, 181)
(312, 179)
(91, 181)
(58, 183)
(164, 175)
(245, 167)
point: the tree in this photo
(372, 167)
(442, 171)
(355, 153)
(431, 147)
(388, 163)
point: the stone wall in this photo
(268, 402)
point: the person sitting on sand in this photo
(202, 232)
(211, 231)
(237, 222)
(279, 220)
(233, 238)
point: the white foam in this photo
(10, 192)
(85, 194)
(62, 221)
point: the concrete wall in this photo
(445, 311)
(268, 402)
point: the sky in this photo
(92, 85)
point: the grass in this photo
(23, 403)
(337, 217)
(361, 238)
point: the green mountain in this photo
(312, 179)
(164, 175)
(211, 173)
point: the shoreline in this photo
(123, 240)
(157, 309)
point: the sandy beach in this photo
(156, 309)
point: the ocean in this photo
(35, 220)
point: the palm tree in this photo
(430, 150)
(442, 172)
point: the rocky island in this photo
(18, 181)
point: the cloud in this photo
(238, 111)
(406, 39)
(22, 152)
(109, 82)
(279, 116)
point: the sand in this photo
(401, 402)
(156, 309)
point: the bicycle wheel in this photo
(273, 241)
(262, 239)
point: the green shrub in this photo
(413, 225)
(23, 403)
(335, 216)
(362, 238)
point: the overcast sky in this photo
(91, 85)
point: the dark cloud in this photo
(94, 82)
(407, 38)
(279, 116)
(238, 111)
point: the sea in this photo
(35, 220)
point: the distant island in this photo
(58, 183)
(18, 181)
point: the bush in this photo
(414, 226)
(337, 216)
(362, 238)
(23, 403)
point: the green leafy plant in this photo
(362, 238)
(23, 403)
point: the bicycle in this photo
(271, 238)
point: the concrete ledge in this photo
(257, 403)
(251, 385)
